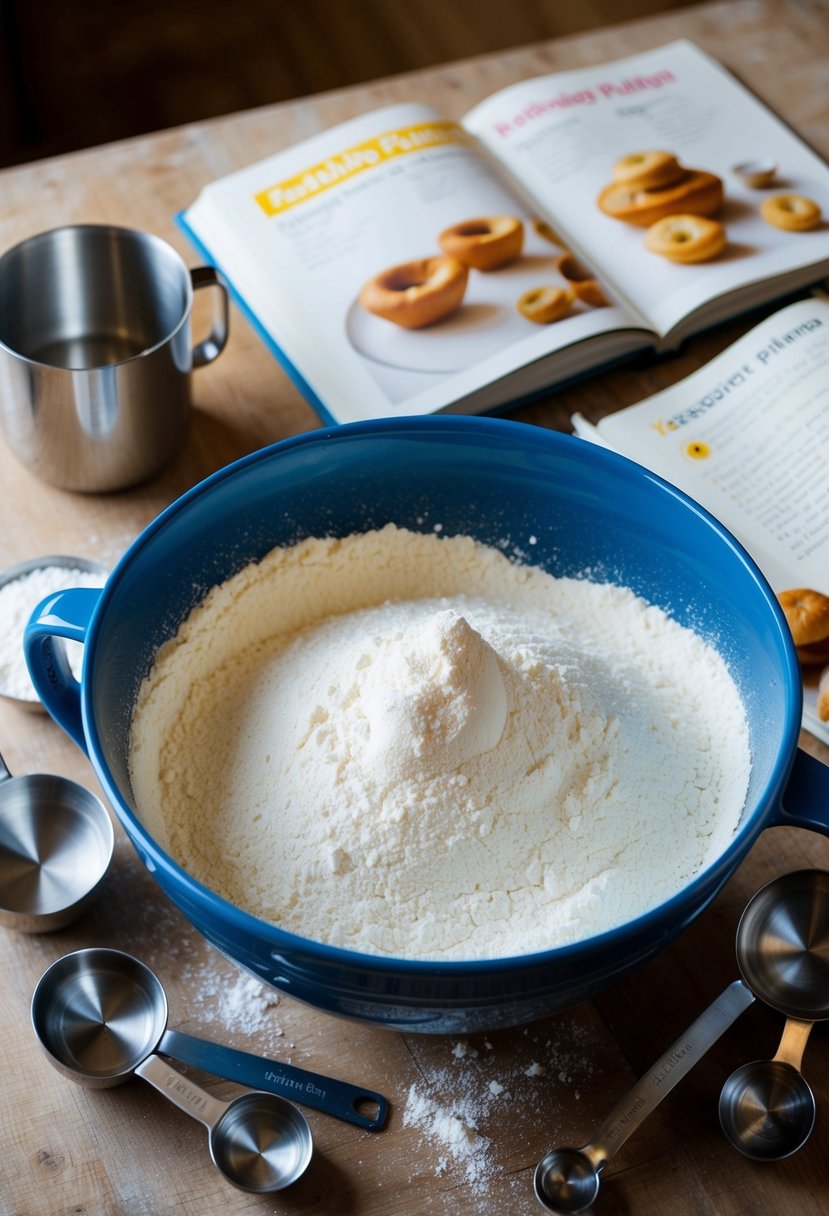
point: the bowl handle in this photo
(64, 615)
(805, 801)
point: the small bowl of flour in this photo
(22, 587)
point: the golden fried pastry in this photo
(583, 284)
(648, 170)
(417, 293)
(686, 238)
(543, 305)
(696, 193)
(486, 243)
(791, 212)
(807, 613)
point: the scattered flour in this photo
(409, 745)
(451, 1105)
(18, 600)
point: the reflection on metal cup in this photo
(96, 353)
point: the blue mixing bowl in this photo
(503, 483)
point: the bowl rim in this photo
(678, 909)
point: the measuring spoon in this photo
(567, 1179)
(84, 994)
(783, 956)
(99, 1026)
(56, 843)
(767, 1108)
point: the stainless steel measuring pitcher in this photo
(96, 353)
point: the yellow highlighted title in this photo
(313, 181)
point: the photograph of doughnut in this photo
(491, 281)
(677, 204)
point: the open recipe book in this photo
(322, 243)
(747, 436)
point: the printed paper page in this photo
(748, 438)
(299, 236)
(561, 135)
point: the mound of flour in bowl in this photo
(409, 745)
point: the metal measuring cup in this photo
(98, 1026)
(766, 1107)
(56, 843)
(354, 1104)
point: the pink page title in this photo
(605, 91)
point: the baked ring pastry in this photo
(686, 238)
(648, 170)
(697, 193)
(543, 305)
(484, 243)
(791, 212)
(548, 233)
(583, 284)
(415, 294)
(807, 613)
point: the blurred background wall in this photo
(74, 73)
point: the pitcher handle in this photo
(64, 615)
(213, 345)
(805, 800)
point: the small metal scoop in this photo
(98, 1026)
(98, 973)
(56, 843)
(767, 1109)
(567, 1179)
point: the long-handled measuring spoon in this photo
(94, 1009)
(567, 1179)
(783, 956)
(98, 1027)
(767, 1108)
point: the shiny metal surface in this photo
(99, 1015)
(783, 944)
(18, 570)
(259, 1142)
(567, 1179)
(96, 354)
(56, 842)
(100, 1011)
(767, 1108)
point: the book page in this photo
(300, 234)
(561, 136)
(747, 436)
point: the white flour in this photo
(408, 745)
(18, 600)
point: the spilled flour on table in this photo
(452, 1104)
(239, 1001)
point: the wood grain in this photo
(124, 1151)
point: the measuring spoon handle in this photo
(184, 1094)
(668, 1070)
(336, 1098)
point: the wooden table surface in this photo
(65, 1149)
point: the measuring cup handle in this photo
(805, 800)
(213, 345)
(66, 614)
(181, 1091)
